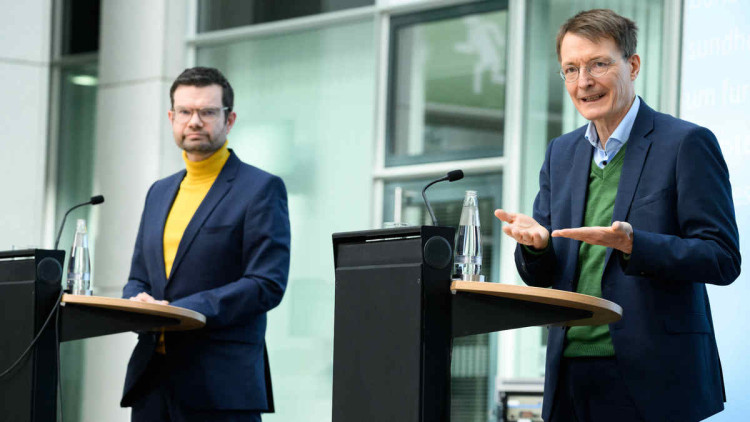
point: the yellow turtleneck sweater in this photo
(200, 176)
(194, 187)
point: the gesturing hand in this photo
(145, 297)
(619, 236)
(524, 229)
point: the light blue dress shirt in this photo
(616, 140)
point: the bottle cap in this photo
(81, 226)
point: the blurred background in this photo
(356, 104)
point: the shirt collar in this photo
(620, 134)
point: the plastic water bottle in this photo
(79, 266)
(467, 263)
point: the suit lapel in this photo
(218, 190)
(579, 179)
(164, 206)
(635, 157)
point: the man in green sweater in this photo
(635, 207)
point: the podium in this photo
(30, 283)
(397, 311)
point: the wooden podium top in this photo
(91, 316)
(602, 310)
(189, 320)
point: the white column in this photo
(24, 69)
(141, 51)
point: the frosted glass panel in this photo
(305, 107)
(447, 84)
(552, 112)
(222, 14)
(75, 131)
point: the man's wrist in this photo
(534, 251)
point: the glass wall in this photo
(305, 105)
(550, 112)
(224, 14)
(80, 26)
(73, 129)
(447, 84)
(75, 138)
(75, 156)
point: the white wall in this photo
(715, 93)
(24, 69)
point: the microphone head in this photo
(455, 175)
(98, 199)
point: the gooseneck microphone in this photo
(452, 176)
(95, 200)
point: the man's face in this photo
(607, 98)
(199, 137)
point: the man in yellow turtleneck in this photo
(213, 238)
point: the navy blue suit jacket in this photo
(231, 266)
(674, 190)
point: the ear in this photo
(230, 120)
(635, 66)
(170, 116)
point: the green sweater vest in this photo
(600, 203)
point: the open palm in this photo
(524, 229)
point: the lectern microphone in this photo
(95, 200)
(452, 176)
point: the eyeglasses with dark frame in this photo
(595, 68)
(207, 115)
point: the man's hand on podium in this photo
(145, 297)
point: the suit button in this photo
(643, 273)
(523, 266)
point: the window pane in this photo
(223, 14)
(81, 26)
(308, 120)
(447, 84)
(473, 358)
(75, 143)
(550, 112)
(75, 157)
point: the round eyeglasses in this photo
(596, 68)
(207, 115)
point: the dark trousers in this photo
(155, 402)
(592, 390)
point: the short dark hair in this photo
(597, 24)
(204, 76)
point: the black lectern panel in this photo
(29, 286)
(16, 332)
(396, 317)
(377, 349)
(392, 338)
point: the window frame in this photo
(401, 21)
